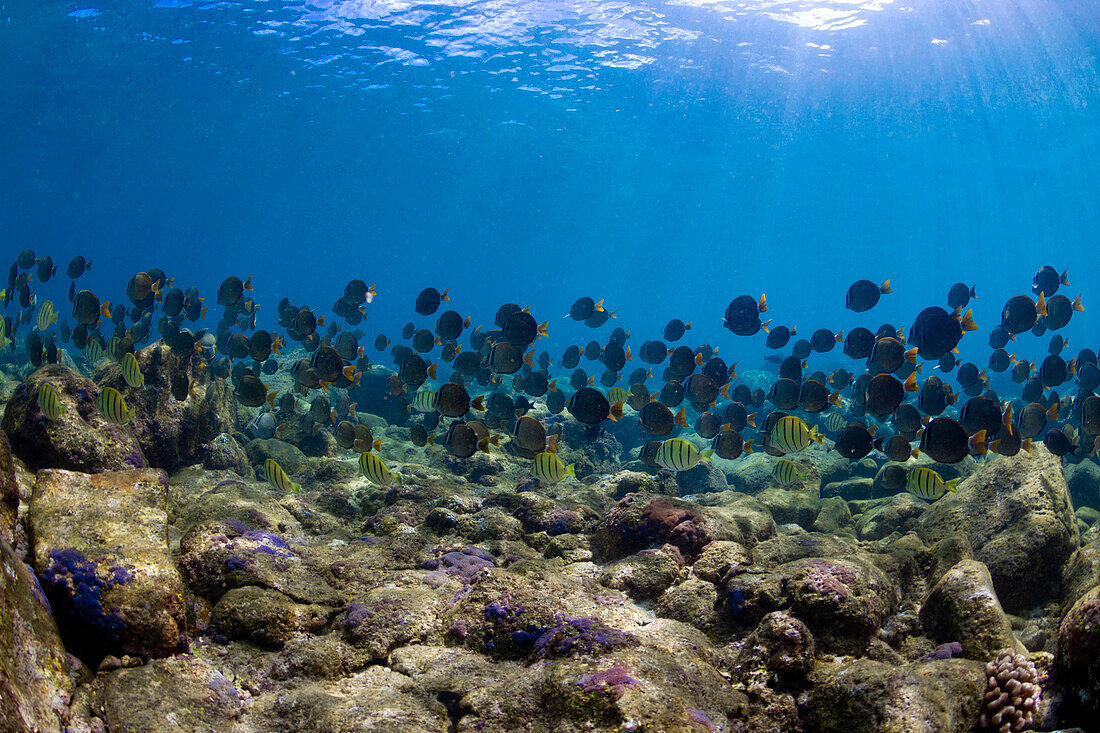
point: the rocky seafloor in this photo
(151, 582)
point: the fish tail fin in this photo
(432, 370)
(911, 382)
(748, 446)
(248, 283)
(814, 435)
(951, 485)
(751, 419)
(571, 470)
(628, 357)
(431, 440)
(1041, 305)
(1052, 412)
(968, 321)
(885, 287)
(466, 322)
(1026, 445)
(483, 445)
(542, 328)
(1064, 278)
(376, 445)
(725, 390)
(1077, 304)
(478, 403)
(763, 304)
(529, 359)
(598, 306)
(973, 292)
(349, 372)
(839, 337)
(706, 455)
(764, 326)
(616, 411)
(681, 420)
(911, 355)
(687, 326)
(444, 296)
(699, 359)
(105, 309)
(834, 399)
(271, 397)
(977, 443)
(995, 446)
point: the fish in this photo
(277, 477)
(945, 440)
(251, 392)
(550, 469)
(1020, 313)
(854, 442)
(46, 316)
(376, 470)
(892, 477)
(657, 419)
(779, 336)
(863, 295)
(789, 473)
(77, 267)
(46, 268)
(674, 329)
(131, 371)
(49, 402)
(742, 315)
(232, 289)
(87, 309)
(1046, 280)
(589, 406)
(113, 406)
(959, 295)
(427, 302)
(677, 454)
(791, 435)
(583, 308)
(924, 483)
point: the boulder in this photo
(101, 552)
(1081, 575)
(834, 517)
(36, 683)
(387, 618)
(1083, 480)
(266, 617)
(1078, 657)
(851, 489)
(963, 607)
(779, 649)
(81, 439)
(184, 689)
(865, 696)
(9, 491)
(899, 513)
(703, 478)
(1019, 518)
(286, 455)
(646, 574)
(694, 601)
(791, 506)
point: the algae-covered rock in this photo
(850, 489)
(646, 574)
(694, 601)
(265, 616)
(703, 478)
(718, 557)
(36, 683)
(791, 506)
(1078, 657)
(834, 516)
(101, 553)
(1082, 573)
(963, 607)
(285, 454)
(81, 439)
(899, 513)
(779, 650)
(182, 693)
(872, 697)
(387, 618)
(1018, 516)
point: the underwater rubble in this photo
(178, 590)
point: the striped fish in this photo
(835, 422)
(111, 403)
(617, 394)
(788, 472)
(49, 402)
(791, 435)
(550, 469)
(131, 372)
(424, 400)
(276, 476)
(47, 316)
(677, 454)
(927, 484)
(112, 346)
(93, 351)
(375, 469)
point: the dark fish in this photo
(452, 400)
(737, 416)
(555, 402)
(999, 337)
(1033, 389)
(77, 267)
(885, 392)
(381, 343)
(46, 268)
(346, 345)
(888, 355)
(450, 351)
(999, 360)
(530, 435)
(231, 290)
(814, 397)
(501, 405)
(505, 358)
(802, 349)
(779, 336)
(936, 332)
(968, 375)
(1054, 370)
(672, 393)
(728, 444)
(428, 302)
(892, 477)
(87, 309)
(945, 440)
(423, 341)
(683, 361)
(1047, 280)
(450, 324)
(408, 330)
(863, 295)
(1019, 314)
(959, 295)
(521, 329)
(320, 410)
(840, 378)
(1059, 310)
(1058, 443)
(467, 363)
(1057, 343)
(462, 441)
(854, 442)
(1021, 371)
(981, 414)
(571, 358)
(251, 392)
(1088, 375)
(358, 292)
(579, 379)
(582, 308)
(657, 420)
(708, 425)
(859, 344)
(590, 406)
(743, 315)
(674, 329)
(784, 394)
(823, 340)
(598, 318)
(418, 434)
(653, 352)
(25, 260)
(896, 448)
(415, 371)
(328, 365)
(614, 357)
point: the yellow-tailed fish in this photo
(375, 469)
(47, 316)
(93, 351)
(677, 454)
(791, 435)
(49, 402)
(927, 484)
(131, 371)
(550, 469)
(788, 472)
(424, 400)
(113, 406)
(276, 476)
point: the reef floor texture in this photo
(472, 598)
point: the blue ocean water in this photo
(663, 156)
